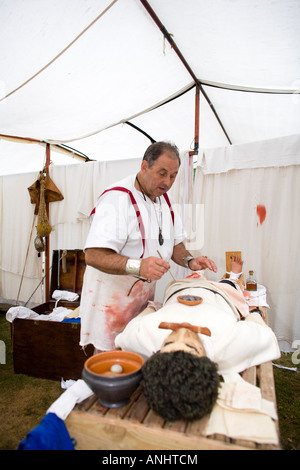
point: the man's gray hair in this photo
(157, 149)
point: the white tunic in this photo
(234, 345)
(109, 302)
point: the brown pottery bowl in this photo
(113, 389)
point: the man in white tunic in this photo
(216, 336)
(135, 231)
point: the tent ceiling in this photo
(121, 67)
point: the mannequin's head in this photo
(179, 381)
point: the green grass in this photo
(287, 385)
(24, 400)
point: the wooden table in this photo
(136, 426)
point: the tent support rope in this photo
(61, 52)
(181, 57)
(26, 257)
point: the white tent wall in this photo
(81, 185)
(231, 183)
(219, 212)
(16, 243)
(20, 267)
(75, 72)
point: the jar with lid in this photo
(251, 283)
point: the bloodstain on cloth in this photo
(108, 303)
(261, 213)
(124, 308)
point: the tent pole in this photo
(62, 147)
(181, 57)
(47, 251)
(197, 117)
(197, 114)
(140, 130)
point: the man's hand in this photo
(202, 262)
(153, 268)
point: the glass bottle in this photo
(251, 283)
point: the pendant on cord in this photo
(160, 238)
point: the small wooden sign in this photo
(229, 255)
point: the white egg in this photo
(117, 368)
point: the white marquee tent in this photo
(103, 77)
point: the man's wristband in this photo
(133, 266)
(187, 260)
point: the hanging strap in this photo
(170, 206)
(137, 210)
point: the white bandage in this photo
(234, 276)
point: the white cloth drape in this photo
(181, 193)
(20, 267)
(219, 213)
(270, 247)
(282, 151)
(81, 185)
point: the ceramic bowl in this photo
(113, 389)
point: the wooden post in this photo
(47, 251)
(197, 114)
(197, 120)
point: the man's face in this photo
(183, 339)
(159, 178)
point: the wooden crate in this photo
(50, 349)
(136, 426)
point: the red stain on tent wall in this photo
(261, 212)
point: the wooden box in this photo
(50, 349)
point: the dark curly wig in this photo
(180, 385)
